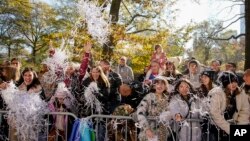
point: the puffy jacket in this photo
(218, 106)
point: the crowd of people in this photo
(207, 93)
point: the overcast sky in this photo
(207, 9)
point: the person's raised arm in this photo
(85, 60)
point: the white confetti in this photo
(98, 26)
(25, 112)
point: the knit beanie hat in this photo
(226, 78)
(208, 73)
(161, 78)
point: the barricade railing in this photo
(122, 127)
(116, 127)
(111, 127)
(50, 132)
(117, 120)
(190, 129)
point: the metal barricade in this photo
(66, 132)
(49, 132)
(124, 121)
(113, 128)
(189, 130)
(118, 128)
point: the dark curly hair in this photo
(177, 84)
(35, 82)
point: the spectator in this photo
(233, 68)
(172, 74)
(17, 64)
(101, 94)
(97, 75)
(182, 107)
(246, 85)
(194, 70)
(115, 81)
(71, 72)
(6, 63)
(133, 93)
(142, 76)
(215, 66)
(207, 84)
(46, 78)
(7, 74)
(125, 71)
(29, 82)
(153, 104)
(62, 101)
(51, 52)
(228, 105)
(159, 56)
(154, 71)
(206, 78)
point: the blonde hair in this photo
(102, 75)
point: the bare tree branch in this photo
(231, 7)
(236, 15)
(130, 28)
(39, 48)
(231, 37)
(216, 32)
(143, 30)
(238, 1)
(126, 8)
(135, 16)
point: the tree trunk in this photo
(207, 54)
(247, 38)
(34, 54)
(9, 50)
(114, 13)
(114, 10)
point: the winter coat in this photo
(126, 73)
(115, 81)
(150, 106)
(78, 76)
(138, 91)
(195, 78)
(34, 89)
(102, 95)
(150, 76)
(243, 87)
(66, 121)
(161, 60)
(186, 130)
(218, 106)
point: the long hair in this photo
(168, 73)
(229, 94)
(18, 67)
(157, 80)
(158, 46)
(178, 83)
(35, 82)
(103, 78)
(11, 73)
(205, 88)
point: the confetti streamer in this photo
(97, 24)
(25, 112)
